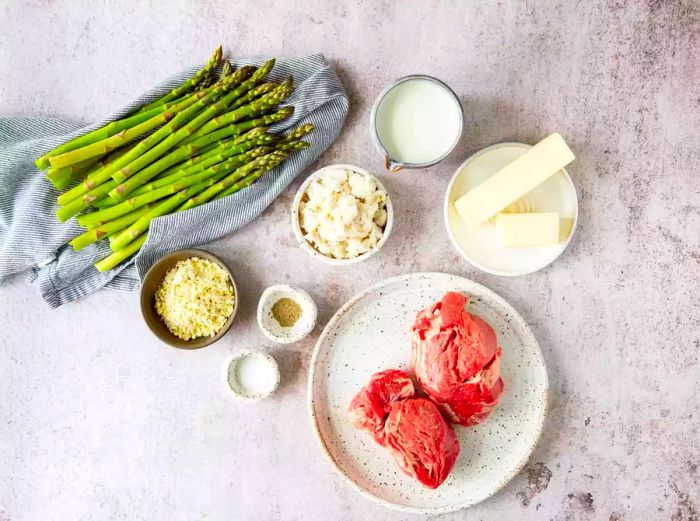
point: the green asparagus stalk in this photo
(113, 142)
(240, 185)
(66, 197)
(62, 177)
(118, 257)
(267, 161)
(186, 130)
(190, 194)
(103, 133)
(248, 180)
(141, 200)
(257, 107)
(144, 152)
(253, 94)
(243, 153)
(163, 208)
(244, 126)
(105, 202)
(173, 158)
(297, 133)
(190, 83)
(84, 201)
(107, 229)
(291, 146)
(211, 150)
(244, 87)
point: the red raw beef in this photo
(456, 360)
(422, 442)
(371, 406)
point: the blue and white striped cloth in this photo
(31, 238)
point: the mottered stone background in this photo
(98, 421)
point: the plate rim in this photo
(458, 247)
(313, 368)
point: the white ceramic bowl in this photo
(308, 248)
(480, 245)
(236, 388)
(272, 329)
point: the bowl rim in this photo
(286, 288)
(239, 356)
(296, 226)
(453, 239)
(171, 340)
(393, 163)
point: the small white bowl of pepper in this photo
(286, 314)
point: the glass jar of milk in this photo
(416, 122)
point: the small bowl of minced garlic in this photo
(189, 299)
(341, 215)
(286, 314)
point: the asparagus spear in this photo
(240, 185)
(250, 179)
(176, 156)
(103, 203)
(104, 146)
(179, 171)
(244, 126)
(188, 129)
(254, 93)
(270, 160)
(190, 83)
(107, 229)
(67, 197)
(242, 152)
(190, 194)
(163, 208)
(244, 87)
(140, 200)
(119, 256)
(259, 106)
(76, 206)
(212, 149)
(102, 133)
(145, 151)
(297, 133)
(62, 177)
(115, 141)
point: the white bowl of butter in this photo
(516, 241)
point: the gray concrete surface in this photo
(98, 421)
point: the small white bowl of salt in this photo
(251, 375)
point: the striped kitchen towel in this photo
(31, 238)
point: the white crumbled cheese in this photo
(195, 298)
(343, 213)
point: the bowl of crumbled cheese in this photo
(342, 214)
(189, 299)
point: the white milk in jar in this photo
(418, 121)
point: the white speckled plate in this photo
(371, 332)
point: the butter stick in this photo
(528, 229)
(514, 180)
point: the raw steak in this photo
(422, 442)
(456, 360)
(371, 406)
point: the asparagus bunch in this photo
(204, 140)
